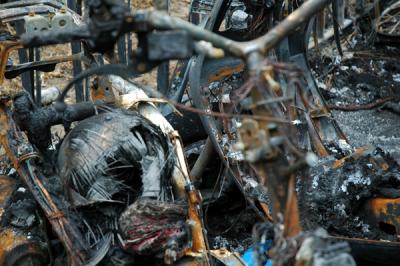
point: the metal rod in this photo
(284, 28)
(205, 157)
(31, 55)
(121, 50)
(261, 45)
(23, 58)
(129, 36)
(77, 66)
(38, 80)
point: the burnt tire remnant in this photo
(106, 163)
(103, 152)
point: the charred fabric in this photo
(273, 141)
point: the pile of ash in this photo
(335, 198)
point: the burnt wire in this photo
(125, 72)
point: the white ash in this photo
(250, 182)
(356, 179)
(315, 182)
(12, 171)
(236, 155)
(222, 242)
(235, 124)
(371, 127)
(396, 77)
(337, 60)
(364, 227)
(224, 141)
(21, 189)
(332, 149)
(348, 55)
(357, 69)
(341, 91)
(353, 42)
(321, 85)
(226, 98)
(341, 209)
(228, 146)
(194, 148)
(344, 145)
(296, 122)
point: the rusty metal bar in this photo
(160, 21)
(202, 161)
(261, 45)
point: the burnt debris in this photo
(276, 143)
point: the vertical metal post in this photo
(31, 55)
(76, 48)
(337, 22)
(359, 7)
(38, 86)
(340, 4)
(320, 21)
(121, 47)
(121, 50)
(129, 36)
(163, 69)
(23, 58)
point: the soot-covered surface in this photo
(367, 73)
(335, 198)
(362, 88)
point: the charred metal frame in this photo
(252, 52)
(23, 157)
(14, 12)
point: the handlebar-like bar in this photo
(161, 21)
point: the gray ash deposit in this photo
(335, 198)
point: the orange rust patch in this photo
(9, 240)
(6, 188)
(224, 72)
(385, 210)
(97, 95)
